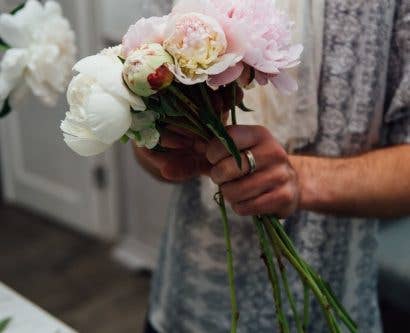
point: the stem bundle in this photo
(274, 243)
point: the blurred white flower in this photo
(100, 104)
(41, 54)
(143, 130)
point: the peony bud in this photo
(145, 70)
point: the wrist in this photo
(313, 195)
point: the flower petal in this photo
(15, 29)
(11, 71)
(222, 64)
(181, 77)
(79, 138)
(226, 77)
(284, 83)
(84, 146)
(108, 117)
(146, 30)
(107, 71)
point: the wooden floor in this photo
(73, 277)
(69, 275)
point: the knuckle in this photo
(280, 153)
(286, 195)
(239, 209)
(215, 175)
(220, 172)
(262, 131)
(282, 176)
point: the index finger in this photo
(244, 136)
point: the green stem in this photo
(326, 290)
(186, 126)
(192, 114)
(267, 257)
(285, 282)
(181, 96)
(233, 106)
(305, 275)
(229, 259)
(206, 98)
(306, 304)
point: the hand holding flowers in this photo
(272, 189)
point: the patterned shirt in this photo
(364, 104)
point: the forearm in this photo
(376, 184)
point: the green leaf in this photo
(3, 45)
(121, 59)
(153, 104)
(18, 8)
(4, 324)
(6, 109)
(243, 107)
(209, 118)
(124, 139)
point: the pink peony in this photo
(145, 31)
(254, 41)
(199, 47)
(258, 31)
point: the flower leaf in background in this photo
(3, 46)
(6, 109)
(19, 7)
(4, 324)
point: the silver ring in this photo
(252, 161)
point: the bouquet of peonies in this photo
(186, 69)
(39, 53)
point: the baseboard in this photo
(135, 255)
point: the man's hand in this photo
(272, 189)
(183, 160)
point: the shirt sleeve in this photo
(396, 128)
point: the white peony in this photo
(100, 104)
(41, 54)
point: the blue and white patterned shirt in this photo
(364, 103)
